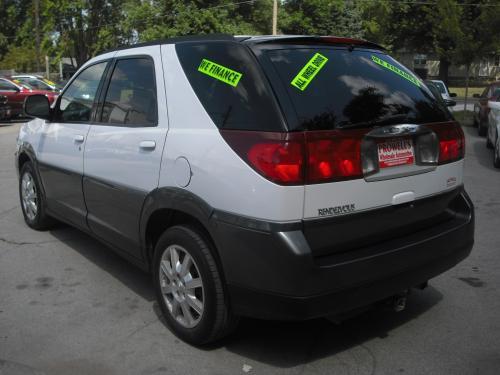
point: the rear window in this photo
(333, 88)
(230, 85)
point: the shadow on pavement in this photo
(290, 344)
(105, 258)
(281, 344)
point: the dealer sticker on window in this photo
(309, 71)
(395, 152)
(223, 74)
(396, 70)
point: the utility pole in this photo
(37, 33)
(275, 17)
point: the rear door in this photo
(124, 147)
(371, 129)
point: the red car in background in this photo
(16, 92)
(481, 108)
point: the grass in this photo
(460, 91)
(465, 118)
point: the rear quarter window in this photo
(230, 85)
(358, 88)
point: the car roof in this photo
(255, 39)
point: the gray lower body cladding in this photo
(278, 273)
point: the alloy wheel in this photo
(181, 286)
(29, 196)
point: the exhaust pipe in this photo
(399, 303)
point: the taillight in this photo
(279, 161)
(278, 157)
(299, 158)
(451, 142)
(333, 156)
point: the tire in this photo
(32, 201)
(198, 315)
(481, 129)
(496, 153)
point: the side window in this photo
(78, 99)
(7, 86)
(230, 85)
(131, 95)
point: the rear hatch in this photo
(376, 140)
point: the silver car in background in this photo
(492, 136)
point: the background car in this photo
(481, 108)
(434, 88)
(37, 82)
(492, 139)
(4, 108)
(16, 93)
(443, 89)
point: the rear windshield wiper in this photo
(382, 121)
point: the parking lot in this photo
(68, 305)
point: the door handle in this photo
(147, 145)
(78, 138)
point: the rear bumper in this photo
(271, 271)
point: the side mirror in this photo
(450, 103)
(476, 96)
(453, 94)
(37, 106)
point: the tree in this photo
(322, 17)
(479, 37)
(81, 28)
(446, 31)
(162, 19)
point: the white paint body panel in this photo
(219, 177)
(114, 153)
(369, 195)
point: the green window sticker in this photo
(396, 70)
(309, 71)
(220, 72)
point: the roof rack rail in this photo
(179, 39)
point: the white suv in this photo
(273, 177)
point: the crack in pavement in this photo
(141, 328)
(22, 243)
(8, 210)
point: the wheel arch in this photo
(166, 207)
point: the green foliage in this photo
(322, 17)
(80, 29)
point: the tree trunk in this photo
(467, 71)
(444, 64)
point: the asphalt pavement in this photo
(460, 104)
(68, 305)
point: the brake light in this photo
(279, 161)
(333, 156)
(451, 142)
(299, 158)
(279, 157)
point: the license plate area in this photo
(396, 152)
